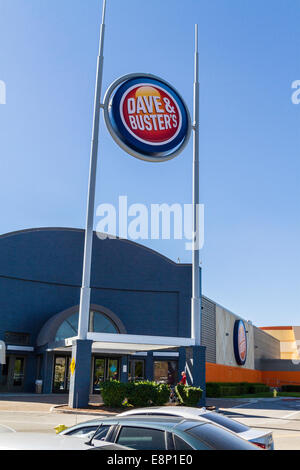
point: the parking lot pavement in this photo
(32, 412)
(36, 402)
(38, 421)
(280, 415)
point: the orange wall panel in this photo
(276, 378)
(221, 373)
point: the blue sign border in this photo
(236, 342)
(126, 140)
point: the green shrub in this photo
(213, 389)
(227, 391)
(223, 389)
(290, 388)
(187, 395)
(162, 394)
(138, 394)
(258, 388)
(113, 393)
(142, 394)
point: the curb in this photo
(56, 409)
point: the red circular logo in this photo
(150, 114)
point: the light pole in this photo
(196, 301)
(82, 348)
(85, 294)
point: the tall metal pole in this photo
(196, 302)
(85, 294)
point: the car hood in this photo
(42, 441)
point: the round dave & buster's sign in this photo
(240, 342)
(147, 117)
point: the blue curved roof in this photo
(56, 255)
(40, 276)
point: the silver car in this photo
(162, 433)
(260, 437)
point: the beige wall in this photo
(224, 343)
(289, 337)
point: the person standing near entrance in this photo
(183, 378)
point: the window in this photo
(17, 339)
(18, 374)
(61, 380)
(226, 422)
(68, 328)
(166, 372)
(101, 433)
(39, 367)
(87, 431)
(180, 444)
(113, 369)
(142, 438)
(136, 370)
(219, 439)
(99, 323)
(105, 368)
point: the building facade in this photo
(136, 293)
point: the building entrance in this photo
(104, 368)
(12, 374)
(61, 378)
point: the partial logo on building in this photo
(147, 117)
(2, 352)
(240, 342)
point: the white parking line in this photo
(6, 427)
(290, 414)
(245, 404)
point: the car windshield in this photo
(82, 431)
(226, 422)
(220, 439)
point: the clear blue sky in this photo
(250, 166)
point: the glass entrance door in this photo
(12, 374)
(136, 370)
(105, 368)
(61, 379)
(99, 373)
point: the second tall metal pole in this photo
(196, 301)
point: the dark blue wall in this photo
(40, 275)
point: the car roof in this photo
(163, 422)
(184, 411)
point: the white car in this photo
(262, 438)
(43, 441)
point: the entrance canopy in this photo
(128, 344)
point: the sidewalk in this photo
(37, 402)
(229, 402)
